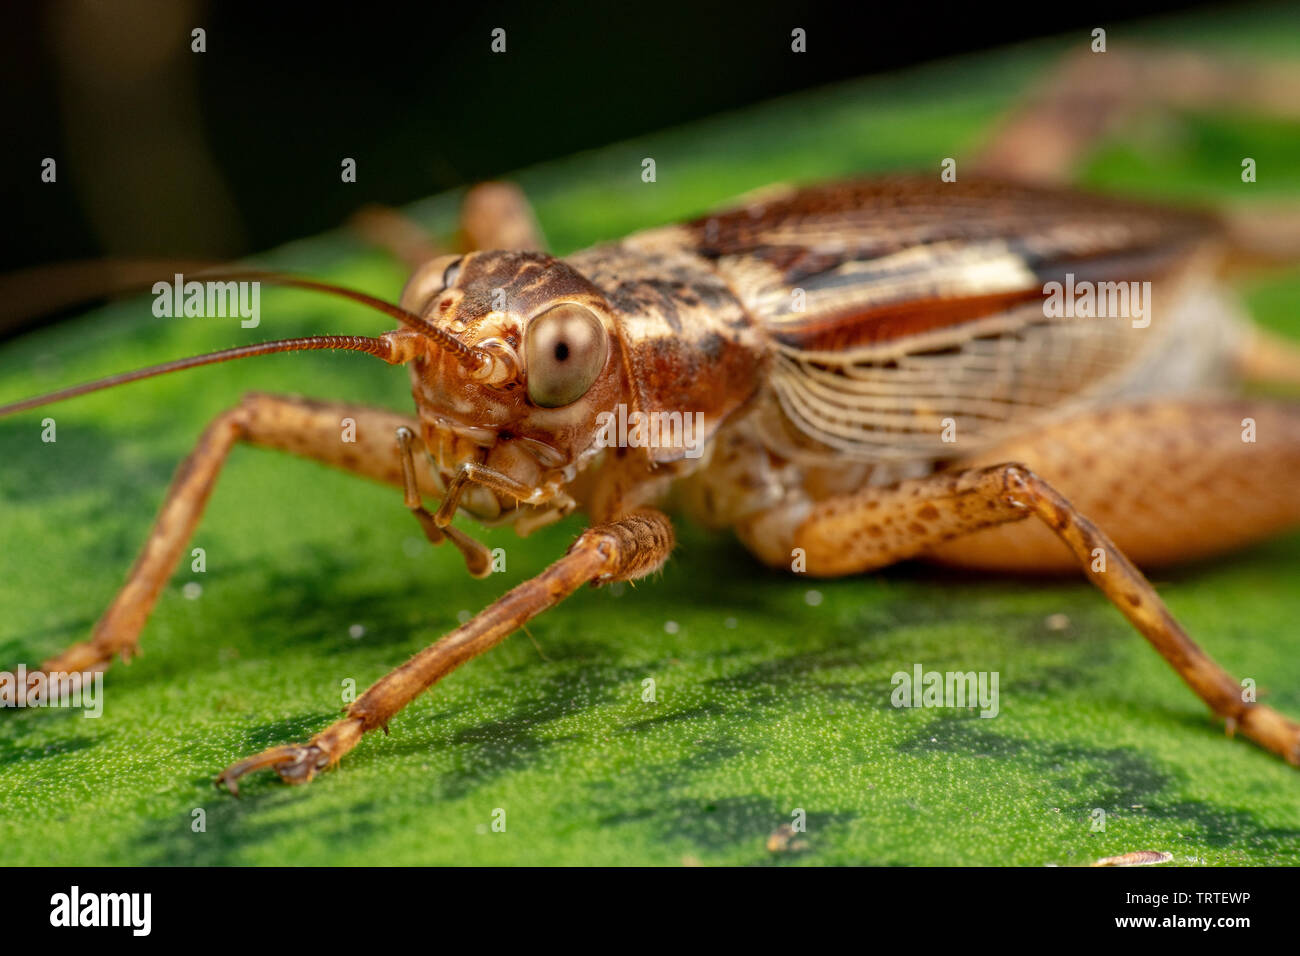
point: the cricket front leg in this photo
(492, 216)
(499, 216)
(923, 517)
(312, 429)
(622, 550)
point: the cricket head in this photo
(547, 363)
(513, 356)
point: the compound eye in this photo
(451, 274)
(565, 350)
(429, 281)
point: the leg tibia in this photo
(629, 548)
(352, 437)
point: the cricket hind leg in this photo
(312, 429)
(1172, 481)
(944, 516)
(622, 550)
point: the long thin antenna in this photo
(378, 347)
(472, 358)
(30, 292)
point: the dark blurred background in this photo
(162, 151)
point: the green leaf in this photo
(770, 698)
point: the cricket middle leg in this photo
(622, 550)
(1173, 480)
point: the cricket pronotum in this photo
(855, 374)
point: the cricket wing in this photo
(909, 319)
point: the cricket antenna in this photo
(470, 357)
(386, 347)
(380, 347)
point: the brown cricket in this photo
(875, 375)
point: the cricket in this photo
(976, 365)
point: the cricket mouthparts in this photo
(500, 364)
